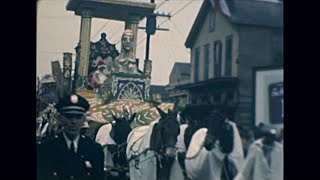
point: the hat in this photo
(268, 130)
(73, 104)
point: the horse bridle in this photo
(120, 148)
(164, 146)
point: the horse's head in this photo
(121, 128)
(193, 126)
(219, 129)
(166, 132)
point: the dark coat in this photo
(54, 160)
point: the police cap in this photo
(73, 104)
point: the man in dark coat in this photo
(70, 155)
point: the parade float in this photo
(107, 78)
(115, 81)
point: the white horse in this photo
(141, 161)
(104, 139)
(203, 164)
(151, 148)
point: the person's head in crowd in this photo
(269, 135)
(251, 134)
(72, 109)
(258, 130)
(261, 125)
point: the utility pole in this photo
(148, 37)
(151, 28)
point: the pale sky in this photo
(58, 31)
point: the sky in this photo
(58, 31)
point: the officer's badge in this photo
(88, 164)
(74, 99)
(113, 122)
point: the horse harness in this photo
(119, 148)
(116, 153)
(160, 155)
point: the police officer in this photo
(70, 155)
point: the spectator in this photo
(265, 158)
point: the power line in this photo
(177, 12)
(50, 0)
(58, 19)
(176, 27)
(101, 29)
(141, 21)
(157, 7)
(53, 52)
(115, 33)
(180, 33)
(170, 50)
(162, 3)
(57, 16)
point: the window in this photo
(212, 19)
(228, 65)
(206, 61)
(196, 64)
(217, 58)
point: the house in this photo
(180, 74)
(227, 40)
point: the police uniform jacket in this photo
(55, 161)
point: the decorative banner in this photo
(128, 86)
(102, 113)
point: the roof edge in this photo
(198, 22)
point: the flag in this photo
(224, 8)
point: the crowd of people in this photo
(70, 154)
(250, 134)
(263, 152)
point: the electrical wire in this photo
(177, 12)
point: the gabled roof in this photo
(197, 24)
(258, 13)
(242, 12)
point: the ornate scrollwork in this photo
(130, 91)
